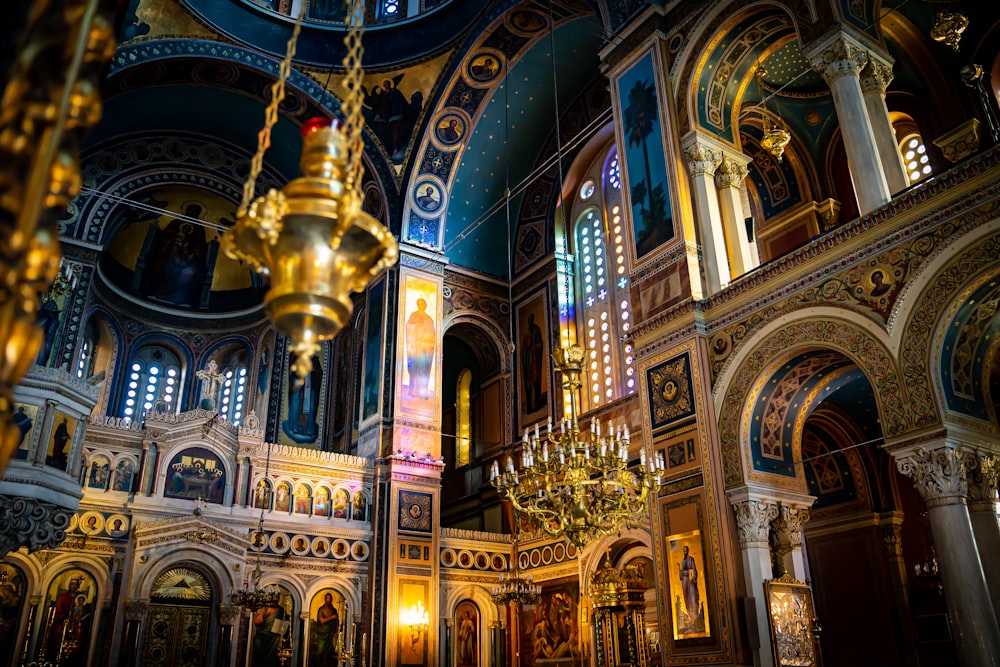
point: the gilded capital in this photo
(753, 519)
(939, 474)
(892, 537)
(876, 76)
(840, 57)
(983, 473)
(701, 159)
(730, 174)
(788, 528)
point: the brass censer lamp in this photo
(312, 238)
(578, 486)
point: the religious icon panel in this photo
(196, 473)
(68, 618)
(327, 616)
(687, 585)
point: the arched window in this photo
(154, 374)
(463, 419)
(605, 308)
(230, 402)
(918, 163)
(390, 8)
(85, 366)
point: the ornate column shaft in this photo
(753, 521)
(730, 177)
(875, 78)
(983, 475)
(939, 473)
(840, 59)
(788, 547)
(702, 160)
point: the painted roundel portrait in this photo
(428, 197)
(484, 67)
(449, 129)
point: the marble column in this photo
(753, 521)
(702, 160)
(788, 543)
(939, 473)
(840, 59)
(983, 476)
(875, 78)
(891, 524)
(730, 179)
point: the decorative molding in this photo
(701, 159)
(892, 538)
(983, 474)
(64, 379)
(876, 75)
(753, 519)
(135, 610)
(939, 474)
(34, 524)
(730, 173)
(788, 528)
(474, 535)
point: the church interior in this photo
(749, 415)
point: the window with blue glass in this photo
(153, 379)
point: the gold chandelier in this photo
(515, 588)
(311, 237)
(573, 485)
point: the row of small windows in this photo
(605, 309)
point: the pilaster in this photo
(983, 474)
(702, 158)
(730, 182)
(787, 528)
(753, 523)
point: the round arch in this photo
(489, 613)
(829, 328)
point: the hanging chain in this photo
(353, 100)
(271, 115)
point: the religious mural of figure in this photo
(467, 635)
(262, 495)
(450, 130)
(132, 27)
(263, 368)
(532, 350)
(689, 585)
(484, 68)
(281, 498)
(301, 424)
(391, 116)
(61, 434)
(321, 505)
(429, 199)
(551, 632)
(360, 507)
(12, 590)
(879, 284)
(269, 625)
(176, 261)
(23, 421)
(302, 499)
(196, 473)
(123, 476)
(420, 339)
(324, 634)
(327, 10)
(69, 614)
(99, 473)
(48, 321)
(340, 504)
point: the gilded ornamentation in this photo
(892, 538)
(701, 159)
(791, 614)
(753, 520)
(939, 474)
(730, 174)
(670, 396)
(50, 98)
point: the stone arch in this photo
(200, 558)
(489, 613)
(825, 328)
(922, 310)
(500, 340)
(342, 585)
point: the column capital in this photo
(229, 614)
(788, 528)
(753, 519)
(983, 474)
(891, 524)
(939, 473)
(876, 75)
(701, 159)
(730, 173)
(135, 610)
(838, 55)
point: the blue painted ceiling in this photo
(480, 177)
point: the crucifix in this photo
(210, 378)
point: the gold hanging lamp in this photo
(312, 237)
(776, 137)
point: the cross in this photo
(211, 378)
